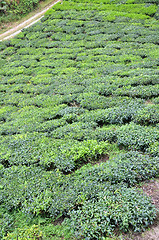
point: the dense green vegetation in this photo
(11, 10)
(80, 121)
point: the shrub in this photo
(139, 91)
(51, 192)
(117, 207)
(130, 168)
(138, 137)
(77, 130)
(6, 222)
(154, 149)
(40, 192)
(23, 234)
(124, 113)
(8, 8)
(148, 115)
(37, 149)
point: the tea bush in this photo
(114, 207)
(38, 149)
(140, 91)
(148, 115)
(6, 223)
(136, 136)
(154, 149)
(23, 234)
(130, 168)
(32, 183)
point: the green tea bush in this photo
(39, 115)
(49, 231)
(138, 137)
(51, 192)
(79, 153)
(130, 168)
(154, 149)
(92, 101)
(56, 232)
(105, 133)
(38, 149)
(116, 115)
(23, 234)
(156, 100)
(5, 112)
(114, 207)
(6, 223)
(139, 91)
(22, 149)
(148, 115)
(17, 198)
(133, 167)
(77, 130)
(40, 192)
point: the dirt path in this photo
(15, 30)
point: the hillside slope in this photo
(80, 121)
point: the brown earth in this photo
(152, 190)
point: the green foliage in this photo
(154, 149)
(148, 115)
(23, 234)
(6, 222)
(45, 231)
(114, 207)
(79, 120)
(37, 149)
(3, 7)
(141, 91)
(10, 10)
(56, 232)
(137, 137)
(51, 192)
(130, 168)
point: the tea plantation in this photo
(80, 122)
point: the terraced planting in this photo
(80, 122)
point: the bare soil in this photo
(152, 190)
(149, 102)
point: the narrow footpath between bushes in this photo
(27, 23)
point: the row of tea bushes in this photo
(83, 187)
(56, 116)
(99, 217)
(37, 149)
(73, 145)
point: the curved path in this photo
(15, 30)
